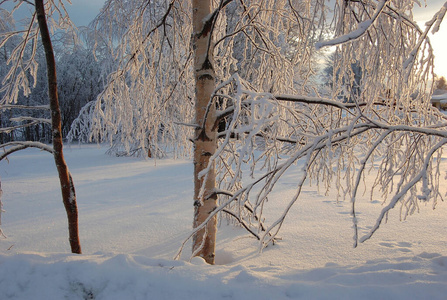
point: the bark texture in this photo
(66, 181)
(205, 142)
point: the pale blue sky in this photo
(82, 12)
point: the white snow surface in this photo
(134, 214)
(439, 97)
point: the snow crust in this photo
(134, 215)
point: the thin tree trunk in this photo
(66, 182)
(205, 142)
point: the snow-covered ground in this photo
(134, 214)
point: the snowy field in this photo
(135, 213)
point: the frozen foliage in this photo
(25, 113)
(353, 35)
(24, 89)
(437, 19)
(388, 127)
(151, 89)
(78, 78)
(22, 60)
(270, 112)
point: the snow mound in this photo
(122, 276)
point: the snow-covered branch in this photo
(437, 19)
(36, 107)
(264, 102)
(405, 189)
(435, 23)
(150, 92)
(32, 122)
(11, 147)
(361, 30)
(30, 119)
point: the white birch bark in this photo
(205, 142)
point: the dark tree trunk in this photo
(66, 182)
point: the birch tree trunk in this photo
(205, 142)
(66, 182)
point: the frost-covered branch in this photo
(405, 189)
(264, 110)
(80, 129)
(150, 92)
(242, 223)
(11, 147)
(32, 122)
(361, 30)
(360, 173)
(434, 22)
(36, 107)
(30, 119)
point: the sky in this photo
(82, 12)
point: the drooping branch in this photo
(32, 122)
(357, 183)
(160, 24)
(151, 91)
(11, 147)
(435, 21)
(330, 139)
(243, 223)
(347, 107)
(30, 119)
(11, 90)
(36, 107)
(361, 30)
(418, 177)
